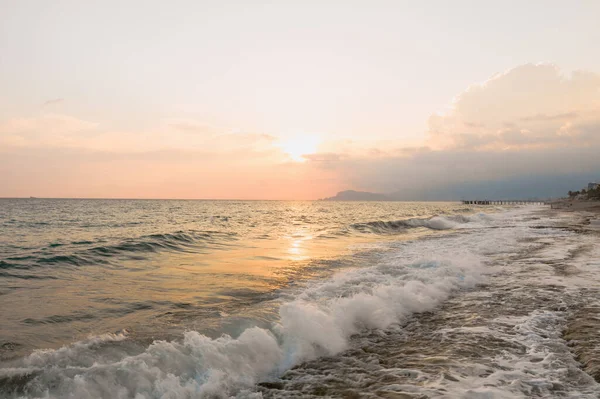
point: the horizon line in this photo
(220, 199)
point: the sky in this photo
(297, 99)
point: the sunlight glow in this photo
(297, 247)
(300, 145)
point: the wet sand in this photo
(576, 206)
(583, 327)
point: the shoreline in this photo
(588, 211)
(530, 329)
(581, 329)
(576, 205)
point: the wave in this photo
(85, 253)
(178, 241)
(26, 276)
(134, 248)
(6, 265)
(317, 321)
(433, 223)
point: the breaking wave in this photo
(433, 223)
(317, 321)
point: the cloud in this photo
(532, 129)
(544, 117)
(533, 105)
(194, 127)
(531, 123)
(324, 160)
(239, 173)
(443, 174)
(47, 129)
(51, 130)
(53, 101)
(62, 156)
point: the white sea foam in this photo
(435, 223)
(322, 319)
(318, 321)
(504, 341)
(540, 369)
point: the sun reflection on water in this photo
(298, 246)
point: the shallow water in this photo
(70, 268)
(186, 299)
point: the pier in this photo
(504, 202)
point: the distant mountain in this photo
(530, 186)
(351, 195)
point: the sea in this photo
(192, 299)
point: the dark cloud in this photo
(450, 174)
(529, 132)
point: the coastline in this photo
(576, 205)
(530, 329)
(587, 211)
(581, 332)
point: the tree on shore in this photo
(593, 193)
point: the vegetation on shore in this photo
(586, 194)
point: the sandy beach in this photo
(576, 205)
(587, 211)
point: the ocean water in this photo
(193, 299)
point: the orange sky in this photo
(292, 100)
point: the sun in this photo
(298, 146)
